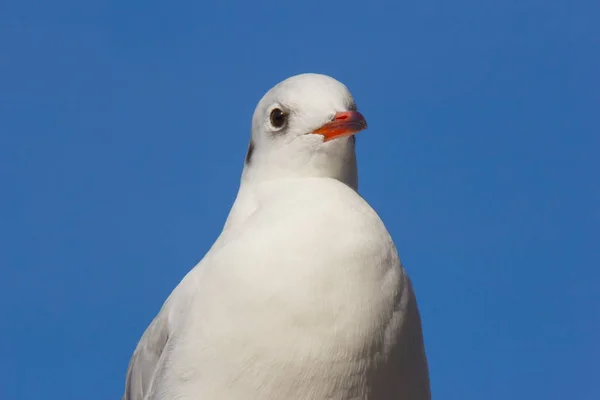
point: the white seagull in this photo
(303, 295)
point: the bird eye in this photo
(278, 118)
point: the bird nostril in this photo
(341, 117)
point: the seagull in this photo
(303, 294)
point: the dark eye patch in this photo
(249, 152)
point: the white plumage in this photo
(303, 295)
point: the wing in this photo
(146, 364)
(147, 358)
(150, 354)
(416, 375)
(410, 372)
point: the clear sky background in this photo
(123, 128)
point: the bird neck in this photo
(254, 185)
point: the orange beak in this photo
(344, 123)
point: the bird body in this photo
(302, 296)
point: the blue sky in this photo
(123, 128)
